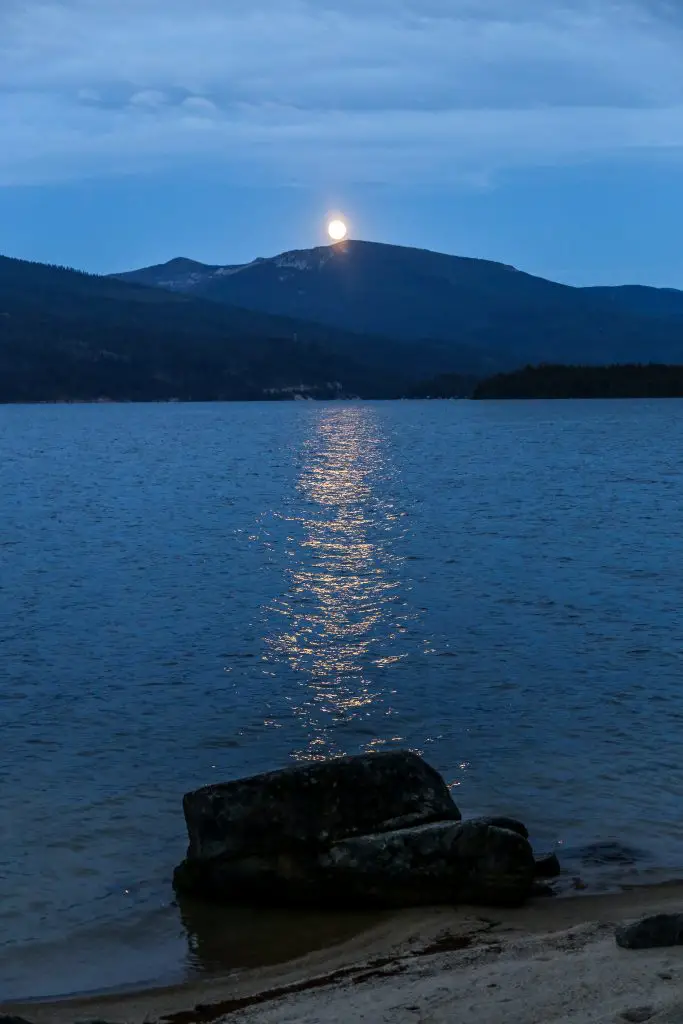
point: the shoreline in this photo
(407, 959)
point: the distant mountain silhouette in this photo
(356, 318)
(65, 335)
(486, 315)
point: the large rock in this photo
(375, 830)
(446, 862)
(261, 837)
(314, 805)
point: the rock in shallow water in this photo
(651, 932)
(259, 839)
(369, 830)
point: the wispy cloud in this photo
(292, 90)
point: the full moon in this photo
(336, 229)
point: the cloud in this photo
(199, 105)
(416, 91)
(148, 98)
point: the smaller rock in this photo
(446, 862)
(548, 866)
(651, 932)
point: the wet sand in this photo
(552, 961)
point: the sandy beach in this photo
(550, 962)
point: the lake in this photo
(191, 593)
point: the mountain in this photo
(65, 335)
(357, 318)
(473, 315)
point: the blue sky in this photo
(543, 133)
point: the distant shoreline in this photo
(342, 401)
(541, 381)
(557, 381)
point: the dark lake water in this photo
(191, 593)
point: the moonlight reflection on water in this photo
(342, 610)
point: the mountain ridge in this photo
(354, 242)
(356, 318)
(415, 295)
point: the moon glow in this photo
(337, 230)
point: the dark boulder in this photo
(372, 830)
(446, 862)
(314, 805)
(261, 836)
(651, 932)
